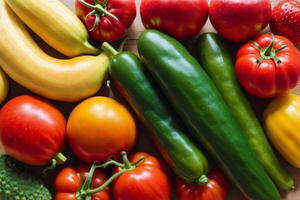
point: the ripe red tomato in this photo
(31, 130)
(147, 181)
(268, 66)
(215, 189)
(239, 20)
(69, 181)
(108, 20)
(180, 19)
(99, 128)
(286, 20)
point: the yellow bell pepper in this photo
(282, 124)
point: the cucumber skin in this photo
(215, 58)
(186, 160)
(204, 111)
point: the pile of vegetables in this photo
(191, 105)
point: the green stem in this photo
(86, 190)
(270, 47)
(60, 158)
(83, 2)
(105, 2)
(125, 160)
(203, 180)
(109, 50)
(281, 48)
(98, 8)
(108, 182)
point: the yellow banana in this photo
(55, 24)
(64, 80)
(3, 86)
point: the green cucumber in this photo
(215, 58)
(201, 106)
(184, 157)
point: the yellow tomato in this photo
(282, 124)
(99, 128)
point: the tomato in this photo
(31, 130)
(269, 66)
(99, 128)
(215, 189)
(70, 179)
(239, 20)
(146, 181)
(180, 19)
(107, 20)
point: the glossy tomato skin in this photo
(69, 181)
(109, 29)
(31, 130)
(239, 20)
(99, 128)
(180, 19)
(268, 78)
(215, 189)
(148, 181)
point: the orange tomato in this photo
(99, 128)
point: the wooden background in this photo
(133, 35)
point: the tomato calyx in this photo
(98, 10)
(86, 192)
(269, 52)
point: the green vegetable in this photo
(201, 106)
(215, 59)
(16, 183)
(136, 86)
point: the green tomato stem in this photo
(126, 166)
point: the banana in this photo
(3, 86)
(66, 80)
(56, 24)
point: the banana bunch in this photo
(67, 80)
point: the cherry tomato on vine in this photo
(70, 179)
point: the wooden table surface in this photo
(133, 35)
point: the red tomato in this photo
(180, 19)
(99, 128)
(268, 67)
(31, 130)
(115, 17)
(69, 181)
(215, 189)
(239, 20)
(147, 181)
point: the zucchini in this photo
(128, 74)
(215, 58)
(202, 108)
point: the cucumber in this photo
(215, 58)
(184, 157)
(201, 106)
